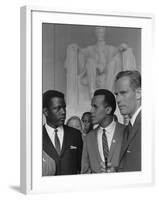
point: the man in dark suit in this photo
(128, 97)
(102, 145)
(62, 145)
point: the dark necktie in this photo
(129, 128)
(57, 142)
(105, 147)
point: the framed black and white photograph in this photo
(69, 61)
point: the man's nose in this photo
(63, 110)
(118, 99)
(92, 109)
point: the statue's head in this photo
(100, 32)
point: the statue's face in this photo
(100, 33)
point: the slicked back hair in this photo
(48, 95)
(134, 77)
(109, 98)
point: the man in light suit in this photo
(62, 145)
(102, 145)
(128, 97)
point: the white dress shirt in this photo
(51, 133)
(133, 118)
(109, 131)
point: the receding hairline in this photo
(134, 78)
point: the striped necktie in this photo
(57, 142)
(105, 147)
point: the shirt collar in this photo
(110, 127)
(133, 118)
(52, 130)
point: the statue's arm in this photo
(123, 47)
(125, 53)
(71, 54)
(82, 57)
(128, 58)
(81, 62)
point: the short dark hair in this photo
(86, 113)
(48, 95)
(108, 97)
(134, 77)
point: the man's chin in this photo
(61, 122)
(123, 112)
(94, 123)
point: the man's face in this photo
(126, 97)
(56, 113)
(86, 119)
(98, 110)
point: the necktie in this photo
(57, 142)
(129, 128)
(105, 147)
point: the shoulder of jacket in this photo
(71, 130)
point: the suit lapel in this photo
(94, 142)
(48, 147)
(132, 134)
(65, 141)
(135, 127)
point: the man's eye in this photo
(60, 107)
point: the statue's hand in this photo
(74, 46)
(123, 47)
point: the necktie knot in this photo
(129, 126)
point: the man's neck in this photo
(137, 107)
(134, 116)
(106, 122)
(51, 125)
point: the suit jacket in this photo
(130, 157)
(69, 161)
(91, 159)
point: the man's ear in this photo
(138, 93)
(45, 112)
(108, 110)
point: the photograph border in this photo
(30, 181)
